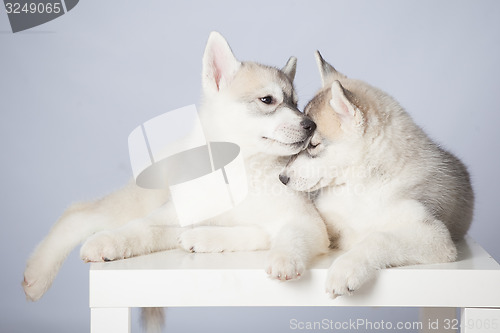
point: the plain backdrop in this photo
(72, 90)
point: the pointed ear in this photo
(326, 70)
(349, 114)
(290, 68)
(219, 63)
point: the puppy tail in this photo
(152, 319)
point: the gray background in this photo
(72, 90)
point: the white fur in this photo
(133, 221)
(388, 194)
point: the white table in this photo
(180, 279)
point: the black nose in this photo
(284, 178)
(308, 125)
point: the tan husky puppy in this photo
(390, 196)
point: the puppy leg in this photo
(296, 244)
(421, 241)
(224, 239)
(77, 224)
(156, 232)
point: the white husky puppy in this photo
(246, 103)
(388, 194)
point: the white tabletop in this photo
(178, 278)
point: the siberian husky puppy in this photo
(389, 195)
(252, 105)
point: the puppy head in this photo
(250, 104)
(340, 115)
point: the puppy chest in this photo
(352, 209)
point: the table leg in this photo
(110, 320)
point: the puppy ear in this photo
(290, 68)
(219, 63)
(327, 72)
(349, 114)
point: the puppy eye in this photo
(267, 99)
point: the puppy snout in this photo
(308, 125)
(284, 178)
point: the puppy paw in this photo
(347, 275)
(202, 240)
(105, 246)
(37, 280)
(283, 266)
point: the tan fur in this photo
(326, 121)
(253, 79)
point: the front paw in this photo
(105, 246)
(283, 266)
(347, 275)
(203, 240)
